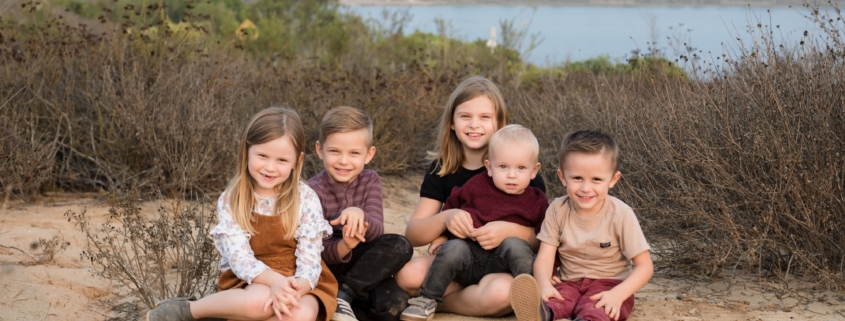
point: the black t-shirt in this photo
(439, 188)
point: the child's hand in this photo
(283, 293)
(459, 223)
(489, 236)
(352, 217)
(611, 301)
(547, 291)
(555, 280)
(435, 245)
(356, 238)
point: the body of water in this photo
(571, 33)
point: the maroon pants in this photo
(577, 303)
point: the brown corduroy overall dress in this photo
(271, 248)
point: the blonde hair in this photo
(345, 119)
(449, 152)
(589, 142)
(265, 126)
(514, 133)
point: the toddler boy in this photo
(595, 236)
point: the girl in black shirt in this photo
(474, 112)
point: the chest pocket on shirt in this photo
(602, 249)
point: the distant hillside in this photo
(577, 2)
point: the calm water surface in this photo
(577, 33)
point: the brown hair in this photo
(589, 142)
(448, 151)
(345, 119)
(517, 134)
(265, 126)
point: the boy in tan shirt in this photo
(595, 236)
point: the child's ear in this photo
(370, 153)
(489, 169)
(301, 156)
(319, 150)
(615, 178)
(561, 177)
(536, 170)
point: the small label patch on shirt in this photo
(604, 245)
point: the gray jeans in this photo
(466, 262)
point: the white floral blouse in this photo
(233, 242)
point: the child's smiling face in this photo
(588, 178)
(270, 164)
(474, 121)
(345, 154)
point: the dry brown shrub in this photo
(740, 167)
(168, 254)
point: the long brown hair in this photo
(265, 126)
(448, 151)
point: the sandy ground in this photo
(63, 288)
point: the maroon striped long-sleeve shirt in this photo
(364, 192)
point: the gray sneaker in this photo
(172, 309)
(420, 309)
(344, 311)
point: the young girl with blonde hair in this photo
(269, 234)
(474, 112)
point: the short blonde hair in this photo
(345, 119)
(449, 152)
(514, 133)
(589, 142)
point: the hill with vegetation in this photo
(736, 163)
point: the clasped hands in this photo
(354, 226)
(284, 295)
(459, 223)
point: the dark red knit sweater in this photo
(486, 203)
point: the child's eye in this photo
(522, 168)
(502, 166)
(486, 116)
(262, 155)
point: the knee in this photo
(411, 276)
(515, 243)
(254, 309)
(303, 314)
(456, 250)
(496, 296)
(402, 248)
(516, 248)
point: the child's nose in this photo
(473, 122)
(269, 166)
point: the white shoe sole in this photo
(415, 318)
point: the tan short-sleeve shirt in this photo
(597, 247)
